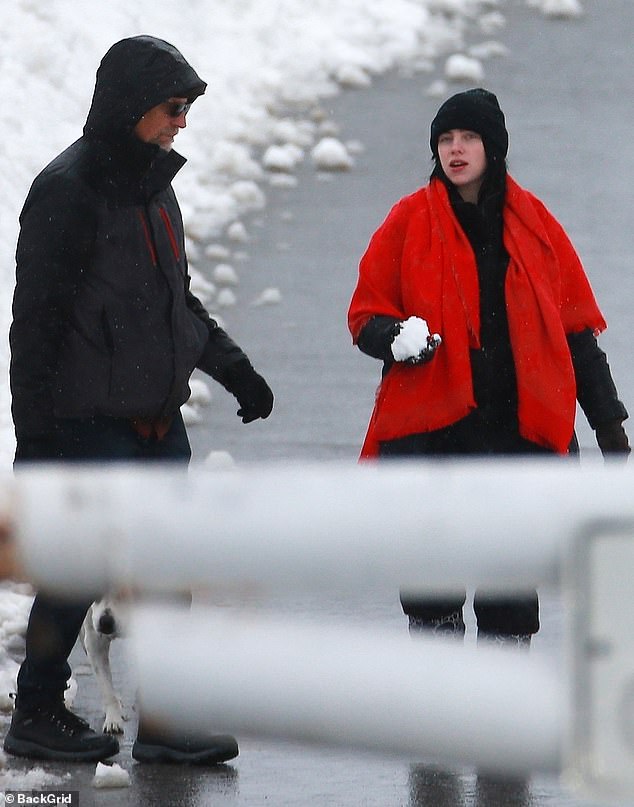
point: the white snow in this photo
(110, 776)
(270, 296)
(411, 339)
(559, 9)
(226, 298)
(331, 154)
(460, 67)
(269, 66)
(35, 779)
(225, 275)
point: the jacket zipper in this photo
(170, 232)
(148, 238)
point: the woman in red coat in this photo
(474, 298)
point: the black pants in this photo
(54, 624)
(471, 437)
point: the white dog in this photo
(104, 622)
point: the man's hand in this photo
(251, 391)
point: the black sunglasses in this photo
(175, 110)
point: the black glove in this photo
(427, 353)
(612, 438)
(251, 390)
(413, 343)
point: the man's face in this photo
(160, 124)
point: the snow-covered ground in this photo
(269, 64)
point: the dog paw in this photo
(113, 724)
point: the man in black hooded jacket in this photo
(104, 338)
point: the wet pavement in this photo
(565, 89)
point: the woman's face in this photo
(463, 159)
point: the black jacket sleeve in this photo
(224, 361)
(57, 229)
(596, 391)
(220, 352)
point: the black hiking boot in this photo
(520, 640)
(50, 731)
(158, 746)
(450, 626)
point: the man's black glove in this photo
(251, 391)
(612, 438)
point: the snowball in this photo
(561, 9)
(484, 50)
(463, 68)
(300, 133)
(110, 776)
(191, 416)
(226, 298)
(411, 339)
(234, 159)
(200, 392)
(248, 194)
(269, 296)
(237, 232)
(328, 128)
(492, 22)
(350, 75)
(437, 89)
(330, 154)
(282, 158)
(201, 287)
(219, 461)
(355, 147)
(216, 251)
(225, 275)
(283, 181)
(192, 249)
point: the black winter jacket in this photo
(104, 322)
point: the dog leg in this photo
(97, 648)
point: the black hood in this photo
(134, 76)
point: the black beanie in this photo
(478, 111)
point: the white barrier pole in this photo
(428, 700)
(310, 527)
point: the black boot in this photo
(47, 730)
(155, 745)
(450, 626)
(519, 640)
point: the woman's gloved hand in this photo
(612, 439)
(413, 343)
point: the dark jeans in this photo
(473, 436)
(54, 624)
